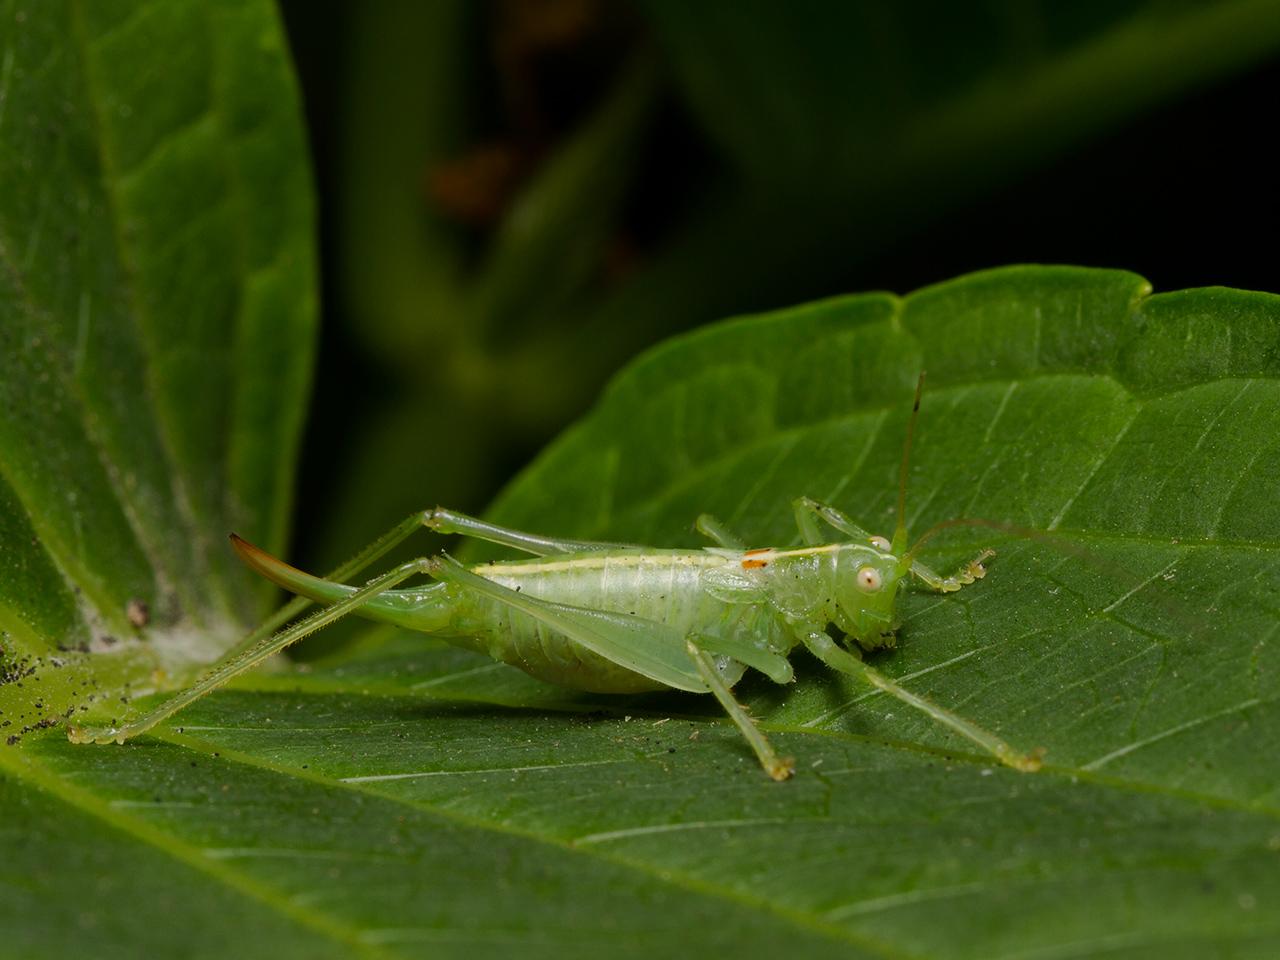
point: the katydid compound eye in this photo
(880, 543)
(869, 578)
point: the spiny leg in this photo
(971, 571)
(826, 650)
(237, 663)
(714, 530)
(780, 768)
(808, 511)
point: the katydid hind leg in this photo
(237, 663)
(442, 520)
(830, 653)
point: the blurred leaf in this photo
(832, 100)
(472, 332)
(552, 243)
(852, 126)
(405, 109)
(385, 804)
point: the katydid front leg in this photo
(970, 572)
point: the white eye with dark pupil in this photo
(869, 578)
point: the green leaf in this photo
(414, 800)
(156, 315)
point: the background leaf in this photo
(408, 799)
(157, 312)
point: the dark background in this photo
(769, 154)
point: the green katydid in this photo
(617, 618)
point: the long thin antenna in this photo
(900, 532)
(1057, 542)
(1194, 622)
(971, 522)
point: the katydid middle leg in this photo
(714, 530)
(779, 768)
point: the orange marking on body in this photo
(754, 563)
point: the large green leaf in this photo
(414, 800)
(157, 313)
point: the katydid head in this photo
(868, 578)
